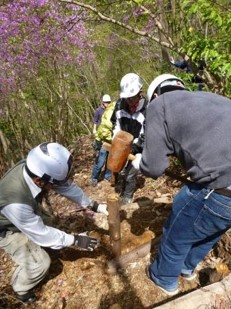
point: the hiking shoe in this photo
(189, 277)
(94, 182)
(167, 292)
(28, 298)
(126, 200)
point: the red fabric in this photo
(132, 108)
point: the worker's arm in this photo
(24, 218)
(74, 193)
(94, 129)
(138, 143)
(96, 119)
(157, 144)
(117, 126)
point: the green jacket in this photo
(104, 131)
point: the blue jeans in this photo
(196, 223)
(100, 161)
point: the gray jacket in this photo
(196, 128)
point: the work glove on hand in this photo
(86, 242)
(100, 208)
(136, 161)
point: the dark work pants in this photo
(130, 180)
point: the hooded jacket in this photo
(104, 131)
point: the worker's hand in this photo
(86, 242)
(136, 161)
(100, 208)
(94, 131)
(172, 60)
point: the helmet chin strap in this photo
(41, 182)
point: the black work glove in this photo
(85, 242)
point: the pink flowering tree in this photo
(44, 46)
(33, 31)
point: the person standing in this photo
(103, 134)
(23, 233)
(106, 99)
(194, 127)
(129, 116)
(198, 76)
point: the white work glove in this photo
(94, 131)
(100, 208)
(136, 161)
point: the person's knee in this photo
(43, 263)
(46, 262)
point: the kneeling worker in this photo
(23, 233)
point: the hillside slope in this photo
(79, 279)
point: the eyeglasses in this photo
(135, 97)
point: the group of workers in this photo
(172, 121)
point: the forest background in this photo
(57, 59)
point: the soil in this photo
(79, 279)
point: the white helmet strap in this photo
(169, 84)
(46, 178)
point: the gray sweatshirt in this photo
(195, 127)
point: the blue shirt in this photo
(98, 115)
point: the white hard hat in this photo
(106, 98)
(163, 80)
(51, 162)
(130, 85)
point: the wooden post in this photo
(113, 204)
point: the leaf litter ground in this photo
(79, 279)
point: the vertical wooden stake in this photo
(113, 204)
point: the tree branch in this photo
(127, 27)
